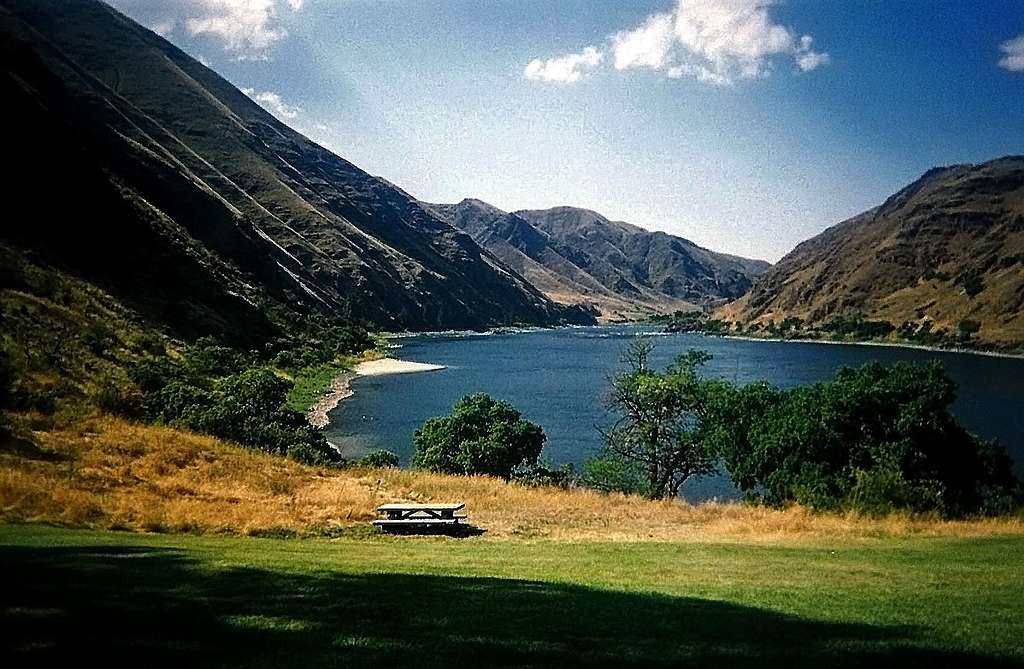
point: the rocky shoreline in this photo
(341, 388)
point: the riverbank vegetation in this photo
(874, 439)
(851, 328)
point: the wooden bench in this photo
(419, 516)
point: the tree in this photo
(661, 416)
(481, 436)
(380, 459)
(875, 438)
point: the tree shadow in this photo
(120, 605)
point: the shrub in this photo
(380, 459)
(481, 436)
(118, 399)
(885, 488)
(968, 327)
(323, 348)
(149, 342)
(99, 338)
(610, 472)
(310, 454)
(8, 378)
(972, 282)
(153, 374)
(207, 358)
(544, 474)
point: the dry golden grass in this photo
(108, 473)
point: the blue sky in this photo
(744, 125)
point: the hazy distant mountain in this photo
(946, 249)
(578, 256)
(138, 168)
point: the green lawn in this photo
(118, 598)
(312, 384)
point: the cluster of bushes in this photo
(852, 327)
(325, 346)
(220, 391)
(972, 282)
(237, 395)
(858, 328)
(875, 439)
(791, 326)
(693, 321)
(923, 334)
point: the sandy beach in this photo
(392, 366)
(341, 387)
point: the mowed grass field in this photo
(92, 597)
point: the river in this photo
(558, 379)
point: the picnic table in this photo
(419, 515)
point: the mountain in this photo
(135, 167)
(577, 256)
(944, 253)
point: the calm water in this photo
(558, 378)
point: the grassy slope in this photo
(400, 602)
(312, 384)
(105, 473)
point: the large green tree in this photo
(481, 436)
(660, 419)
(875, 438)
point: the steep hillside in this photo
(577, 256)
(137, 168)
(946, 253)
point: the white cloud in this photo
(246, 28)
(648, 46)
(714, 41)
(566, 69)
(274, 104)
(808, 59)
(1013, 58)
(718, 41)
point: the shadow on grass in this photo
(131, 605)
